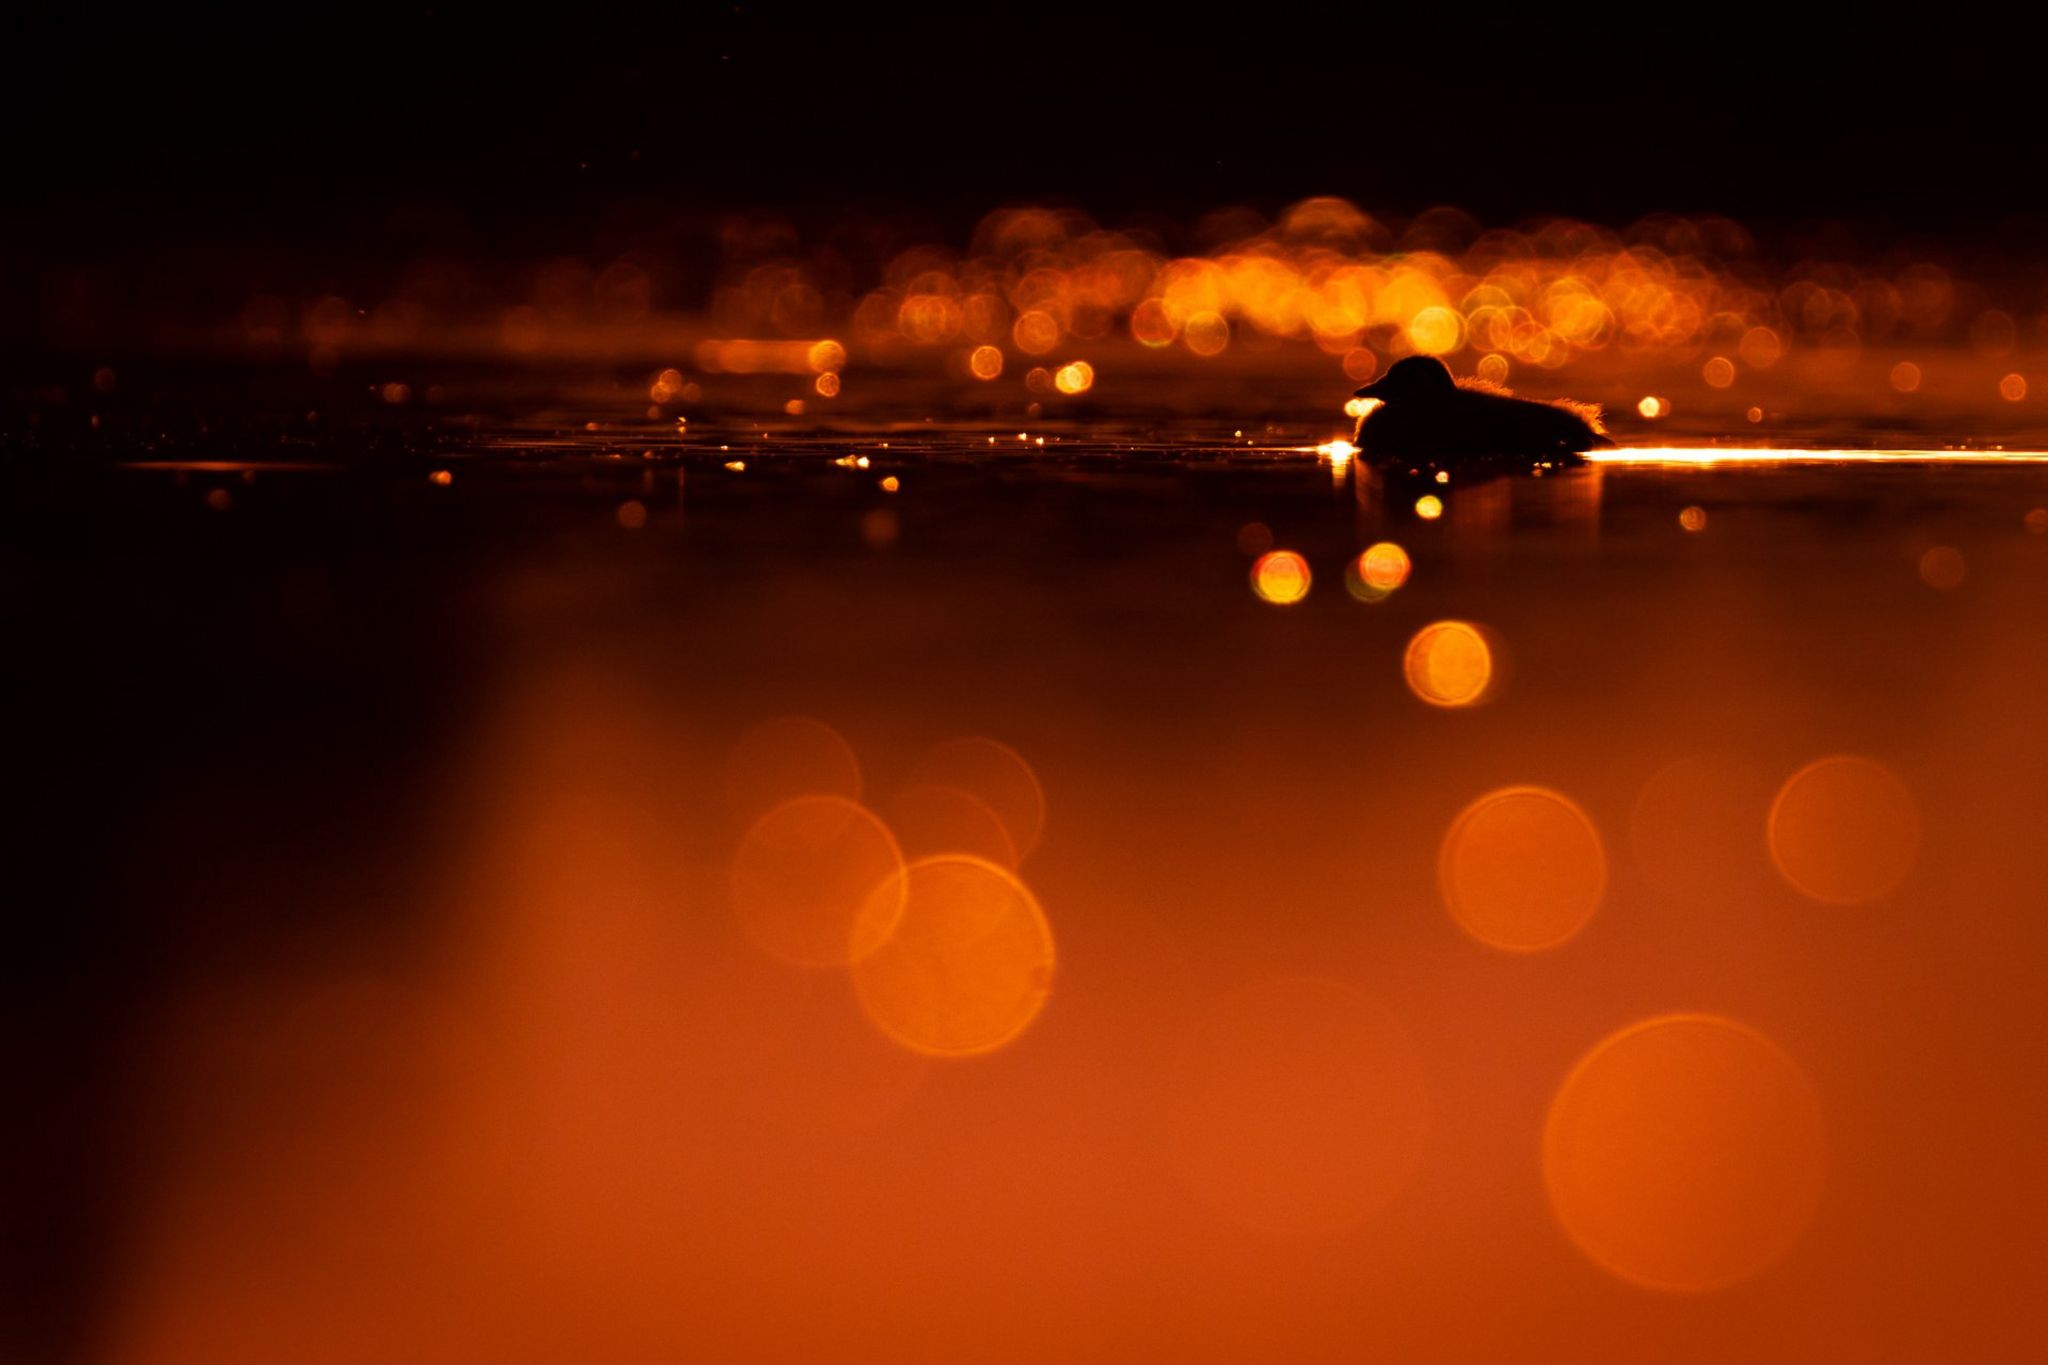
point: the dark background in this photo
(293, 142)
(300, 122)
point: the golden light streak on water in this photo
(1650, 456)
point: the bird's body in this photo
(1424, 414)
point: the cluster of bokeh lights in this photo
(1684, 1152)
(950, 953)
(1046, 297)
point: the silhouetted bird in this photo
(1424, 414)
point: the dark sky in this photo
(294, 119)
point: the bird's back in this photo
(1473, 422)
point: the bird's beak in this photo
(1371, 390)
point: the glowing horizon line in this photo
(1712, 455)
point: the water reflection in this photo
(720, 932)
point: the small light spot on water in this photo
(1281, 577)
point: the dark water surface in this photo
(380, 990)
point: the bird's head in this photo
(1416, 377)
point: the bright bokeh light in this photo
(1377, 572)
(788, 756)
(1449, 664)
(1844, 830)
(1280, 577)
(1429, 507)
(964, 960)
(1685, 1153)
(827, 385)
(996, 774)
(1522, 869)
(826, 357)
(1339, 451)
(1076, 376)
(1653, 407)
(1383, 565)
(1436, 331)
(1359, 407)
(1693, 518)
(2013, 388)
(985, 362)
(1719, 372)
(1300, 1109)
(805, 879)
(1493, 368)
